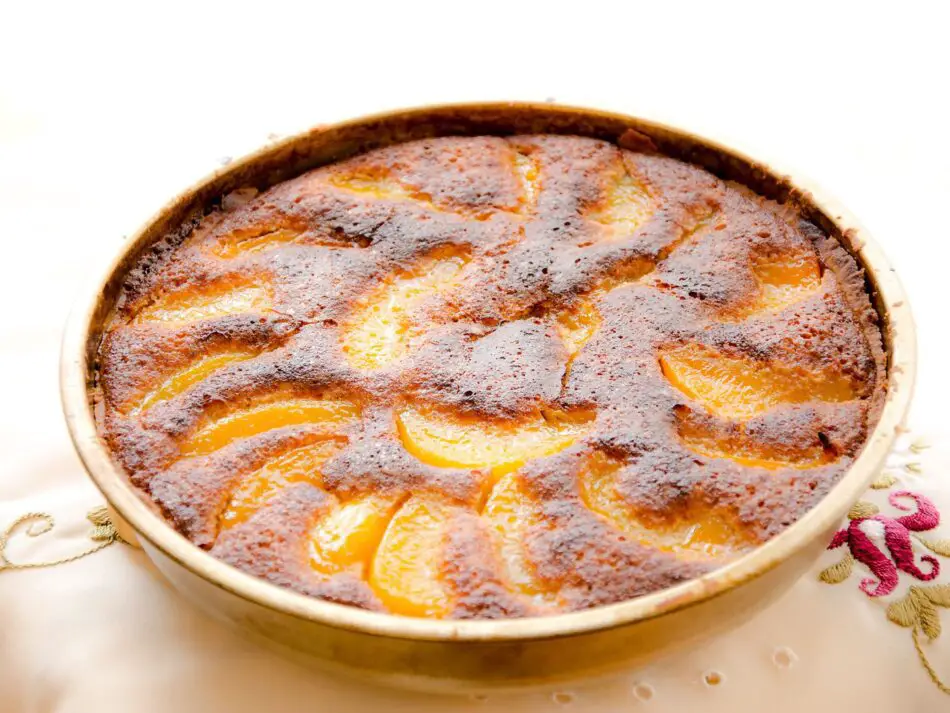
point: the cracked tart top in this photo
(490, 377)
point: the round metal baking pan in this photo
(467, 655)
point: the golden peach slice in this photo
(748, 451)
(696, 534)
(786, 279)
(185, 378)
(376, 184)
(245, 422)
(783, 280)
(623, 273)
(382, 328)
(627, 206)
(739, 388)
(526, 169)
(510, 512)
(244, 243)
(349, 535)
(577, 324)
(459, 441)
(301, 465)
(406, 572)
(192, 306)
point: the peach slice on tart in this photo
(207, 302)
(186, 377)
(384, 325)
(696, 533)
(510, 513)
(349, 535)
(239, 422)
(295, 466)
(737, 387)
(450, 440)
(627, 205)
(407, 570)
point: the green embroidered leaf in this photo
(837, 573)
(919, 445)
(913, 468)
(929, 619)
(927, 616)
(903, 612)
(939, 547)
(939, 594)
(884, 481)
(861, 509)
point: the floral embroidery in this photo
(918, 609)
(39, 523)
(897, 538)
(918, 612)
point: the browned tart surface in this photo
(490, 377)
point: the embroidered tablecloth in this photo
(864, 629)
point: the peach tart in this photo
(483, 377)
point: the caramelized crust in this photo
(490, 377)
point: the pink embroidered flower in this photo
(897, 538)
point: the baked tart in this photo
(485, 377)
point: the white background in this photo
(108, 109)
